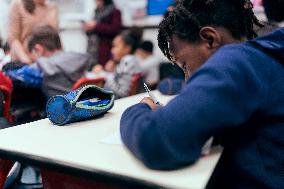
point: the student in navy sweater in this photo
(235, 92)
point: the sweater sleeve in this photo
(56, 20)
(15, 25)
(222, 94)
(111, 28)
(119, 85)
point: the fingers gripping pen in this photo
(155, 100)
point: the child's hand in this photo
(89, 26)
(110, 66)
(149, 101)
(97, 68)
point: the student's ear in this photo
(127, 49)
(211, 37)
(39, 48)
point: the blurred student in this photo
(54, 70)
(149, 63)
(102, 30)
(124, 64)
(23, 17)
(234, 92)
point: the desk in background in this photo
(77, 153)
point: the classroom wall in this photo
(74, 39)
(73, 11)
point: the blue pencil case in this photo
(84, 103)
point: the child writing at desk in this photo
(234, 92)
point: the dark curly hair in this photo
(191, 15)
(132, 37)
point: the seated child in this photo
(149, 63)
(123, 65)
(54, 70)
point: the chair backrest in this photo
(136, 86)
(6, 88)
(87, 81)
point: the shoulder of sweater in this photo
(116, 10)
(63, 55)
(51, 5)
(244, 51)
(16, 4)
(154, 59)
(240, 47)
(236, 58)
(129, 58)
(127, 63)
(57, 57)
(115, 13)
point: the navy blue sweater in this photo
(237, 96)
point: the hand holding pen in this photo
(152, 100)
(155, 100)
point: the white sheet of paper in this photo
(113, 139)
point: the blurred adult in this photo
(102, 30)
(23, 17)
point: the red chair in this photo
(100, 82)
(6, 88)
(136, 84)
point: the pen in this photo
(151, 94)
